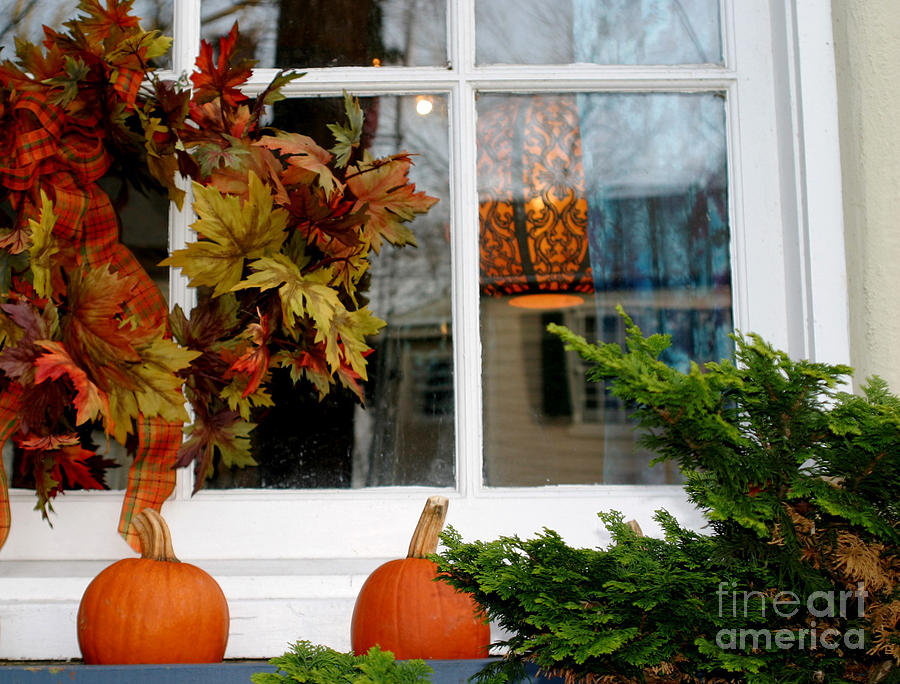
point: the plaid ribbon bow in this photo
(64, 154)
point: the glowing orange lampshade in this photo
(533, 211)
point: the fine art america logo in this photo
(820, 605)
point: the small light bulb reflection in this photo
(424, 105)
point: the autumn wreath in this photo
(285, 230)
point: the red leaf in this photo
(100, 20)
(255, 361)
(218, 78)
(80, 468)
(89, 400)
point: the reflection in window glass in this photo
(598, 32)
(587, 201)
(325, 33)
(404, 434)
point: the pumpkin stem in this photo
(425, 538)
(153, 532)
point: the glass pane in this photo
(25, 19)
(404, 434)
(325, 33)
(598, 32)
(588, 201)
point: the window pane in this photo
(404, 434)
(25, 19)
(325, 33)
(598, 31)
(602, 199)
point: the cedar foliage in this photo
(316, 664)
(800, 483)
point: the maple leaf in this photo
(345, 339)
(159, 386)
(162, 157)
(325, 219)
(255, 361)
(10, 333)
(212, 319)
(147, 45)
(46, 485)
(306, 160)
(100, 21)
(347, 137)
(59, 462)
(225, 431)
(309, 364)
(74, 72)
(272, 93)
(163, 168)
(218, 78)
(17, 360)
(231, 231)
(93, 330)
(123, 410)
(233, 395)
(17, 239)
(212, 156)
(301, 294)
(43, 247)
(390, 200)
(90, 402)
(72, 462)
(349, 378)
(35, 63)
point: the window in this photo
(672, 139)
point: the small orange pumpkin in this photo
(403, 609)
(152, 609)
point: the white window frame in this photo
(293, 560)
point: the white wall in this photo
(867, 56)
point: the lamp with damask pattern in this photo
(534, 245)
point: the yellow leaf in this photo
(233, 394)
(301, 294)
(43, 247)
(351, 328)
(231, 230)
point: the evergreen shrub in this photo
(796, 578)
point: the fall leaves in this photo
(281, 257)
(285, 229)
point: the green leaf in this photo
(347, 137)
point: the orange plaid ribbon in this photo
(65, 156)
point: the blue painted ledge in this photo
(445, 672)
